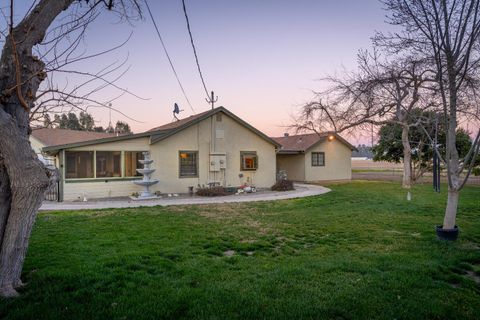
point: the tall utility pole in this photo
(212, 100)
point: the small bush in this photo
(476, 171)
(283, 185)
(211, 192)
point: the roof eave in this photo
(96, 141)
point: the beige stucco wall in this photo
(236, 138)
(98, 189)
(293, 164)
(338, 164)
(165, 154)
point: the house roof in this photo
(53, 136)
(162, 132)
(181, 122)
(302, 142)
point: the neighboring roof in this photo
(51, 137)
(302, 142)
(162, 132)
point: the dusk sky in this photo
(262, 58)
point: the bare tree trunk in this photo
(451, 210)
(23, 178)
(28, 182)
(5, 198)
(407, 159)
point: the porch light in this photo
(331, 137)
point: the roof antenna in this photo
(176, 110)
(212, 100)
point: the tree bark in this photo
(407, 159)
(451, 209)
(23, 178)
(5, 198)
(28, 182)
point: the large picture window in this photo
(318, 159)
(79, 164)
(188, 164)
(109, 164)
(132, 163)
(248, 160)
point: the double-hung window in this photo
(318, 159)
(188, 164)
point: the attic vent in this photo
(219, 117)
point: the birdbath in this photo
(147, 180)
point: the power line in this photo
(195, 51)
(168, 56)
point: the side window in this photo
(318, 159)
(248, 160)
(188, 164)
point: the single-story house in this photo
(315, 157)
(211, 148)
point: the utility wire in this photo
(168, 57)
(195, 50)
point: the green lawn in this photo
(359, 252)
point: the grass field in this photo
(359, 252)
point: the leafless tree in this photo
(447, 33)
(379, 92)
(32, 49)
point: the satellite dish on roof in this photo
(176, 110)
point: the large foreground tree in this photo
(23, 178)
(447, 33)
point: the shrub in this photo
(211, 192)
(283, 185)
(476, 171)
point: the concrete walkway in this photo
(301, 190)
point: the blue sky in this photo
(262, 58)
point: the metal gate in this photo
(53, 192)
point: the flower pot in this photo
(447, 234)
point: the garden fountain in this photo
(147, 180)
